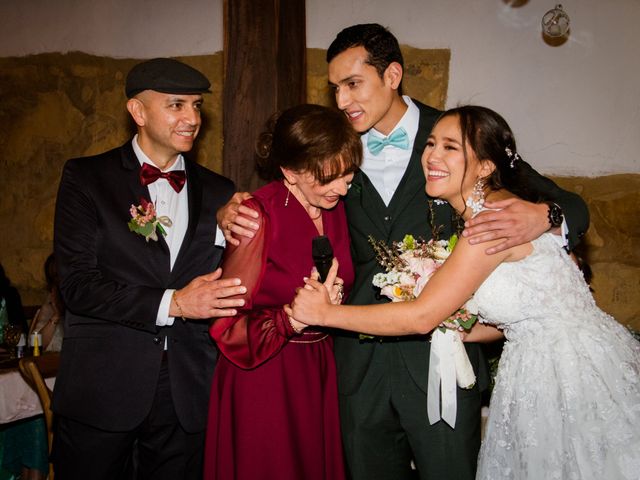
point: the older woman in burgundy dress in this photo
(274, 406)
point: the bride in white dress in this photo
(566, 404)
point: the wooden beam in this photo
(265, 71)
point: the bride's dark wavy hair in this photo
(491, 138)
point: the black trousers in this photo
(157, 449)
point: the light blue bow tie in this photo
(398, 139)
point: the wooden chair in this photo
(35, 370)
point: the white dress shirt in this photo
(174, 205)
(386, 169)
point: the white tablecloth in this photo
(17, 399)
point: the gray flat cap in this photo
(165, 75)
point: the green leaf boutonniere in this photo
(145, 222)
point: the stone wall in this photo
(57, 107)
(60, 106)
(611, 245)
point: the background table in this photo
(17, 399)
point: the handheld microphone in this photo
(322, 254)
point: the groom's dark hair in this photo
(381, 45)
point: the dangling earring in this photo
(286, 184)
(475, 201)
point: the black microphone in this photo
(322, 254)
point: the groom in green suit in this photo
(383, 381)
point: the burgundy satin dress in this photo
(273, 412)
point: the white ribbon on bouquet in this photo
(449, 366)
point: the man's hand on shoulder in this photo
(206, 296)
(514, 220)
(235, 218)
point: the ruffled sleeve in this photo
(256, 333)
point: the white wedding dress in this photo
(566, 403)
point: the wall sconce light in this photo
(555, 23)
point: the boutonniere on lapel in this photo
(145, 222)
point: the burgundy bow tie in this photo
(149, 174)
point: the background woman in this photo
(48, 319)
(567, 398)
(274, 410)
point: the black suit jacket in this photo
(408, 213)
(112, 282)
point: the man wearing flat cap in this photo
(136, 242)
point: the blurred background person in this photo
(48, 319)
(24, 443)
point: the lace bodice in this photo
(544, 288)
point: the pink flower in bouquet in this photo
(422, 268)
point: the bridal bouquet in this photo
(409, 265)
